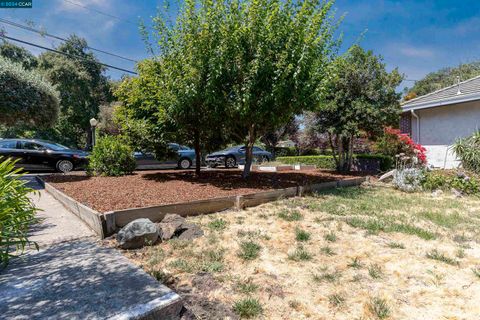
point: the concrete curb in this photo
(108, 223)
(90, 217)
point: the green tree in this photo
(358, 96)
(26, 97)
(18, 54)
(443, 78)
(277, 56)
(179, 95)
(83, 89)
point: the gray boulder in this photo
(138, 233)
(169, 225)
(189, 231)
(174, 225)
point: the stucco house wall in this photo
(441, 126)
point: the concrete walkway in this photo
(73, 276)
(56, 223)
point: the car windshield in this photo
(183, 147)
(54, 146)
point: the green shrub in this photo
(111, 157)
(327, 162)
(25, 96)
(468, 183)
(468, 151)
(17, 212)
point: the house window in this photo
(406, 123)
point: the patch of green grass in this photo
(355, 263)
(217, 225)
(327, 276)
(460, 253)
(249, 250)
(331, 236)
(441, 218)
(379, 308)
(374, 226)
(248, 308)
(182, 265)
(300, 254)
(290, 215)
(246, 287)
(439, 256)
(396, 245)
(328, 251)
(302, 235)
(375, 271)
(336, 299)
(476, 271)
(252, 234)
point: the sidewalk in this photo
(56, 223)
(73, 276)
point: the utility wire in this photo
(101, 12)
(65, 54)
(18, 25)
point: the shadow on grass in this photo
(231, 180)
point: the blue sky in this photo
(416, 36)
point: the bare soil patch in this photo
(150, 188)
(351, 253)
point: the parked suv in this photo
(34, 154)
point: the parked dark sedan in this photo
(231, 157)
(34, 154)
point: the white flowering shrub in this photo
(408, 179)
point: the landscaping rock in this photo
(457, 193)
(170, 224)
(387, 176)
(174, 225)
(138, 233)
(190, 231)
(437, 193)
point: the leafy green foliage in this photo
(359, 96)
(83, 89)
(328, 162)
(18, 54)
(443, 78)
(468, 150)
(26, 97)
(468, 183)
(17, 212)
(111, 157)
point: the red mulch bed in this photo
(148, 188)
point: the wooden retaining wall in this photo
(110, 222)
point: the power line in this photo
(18, 25)
(66, 54)
(101, 12)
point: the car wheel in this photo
(265, 159)
(230, 162)
(64, 166)
(184, 163)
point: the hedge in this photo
(327, 161)
(26, 96)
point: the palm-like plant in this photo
(17, 212)
(468, 151)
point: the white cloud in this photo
(416, 52)
(69, 6)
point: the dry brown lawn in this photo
(354, 253)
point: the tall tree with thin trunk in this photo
(277, 56)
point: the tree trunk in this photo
(198, 158)
(249, 152)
